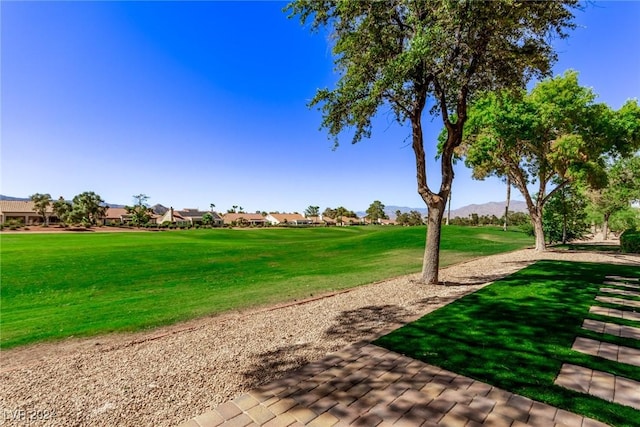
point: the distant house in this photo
(244, 219)
(386, 221)
(315, 220)
(379, 221)
(172, 217)
(321, 220)
(23, 211)
(346, 220)
(121, 216)
(329, 221)
(116, 216)
(289, 219)
(194, 216)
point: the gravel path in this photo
(172, 374)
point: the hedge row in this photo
(630, 241)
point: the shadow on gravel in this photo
(366, 323)
(274, 364)
(473, 280)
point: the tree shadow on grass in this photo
(517, 333)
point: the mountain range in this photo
(489, 208)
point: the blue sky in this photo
(195, 103)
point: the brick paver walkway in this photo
(614, 312)
(623, 279)
(622, 292)
(365, 385)
(623, 331)
(623, 284)
(619, 301)
(617, 353)
(601, 384)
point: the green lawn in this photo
(61, 285)
(516, 334)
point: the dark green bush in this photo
(630, 241)
(528, 229)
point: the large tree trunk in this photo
(431, 259)
(538, 229)
(436, 201)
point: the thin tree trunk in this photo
(449, 209)
(506, 208)
(564, 216)
(605, 227)
(431, 259)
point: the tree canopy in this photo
(401, 54)
(62, 209)
(140, 211)
(312, 211)
(376, 211)
(554, 135)
(40, 204)
(88, 208)
(623, 189)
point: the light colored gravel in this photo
(170, 375)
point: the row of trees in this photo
(86, 208)
(576, 207)
(468, 63)
(409, 218)
(545, 140)
(514, 218)
(414, 58)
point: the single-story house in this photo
(321, 220)
(194, 216)
(345, 220)
(171, 217)
(379, 221)
(24, 212)
(116, 216)
(243, 219)
(290, 219)
(121, 216)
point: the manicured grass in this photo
(516, 334)
(589, 247)
(61, 285)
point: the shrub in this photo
(630, 241)
(528, 229)
(13, 224)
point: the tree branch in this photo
(552, 192)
